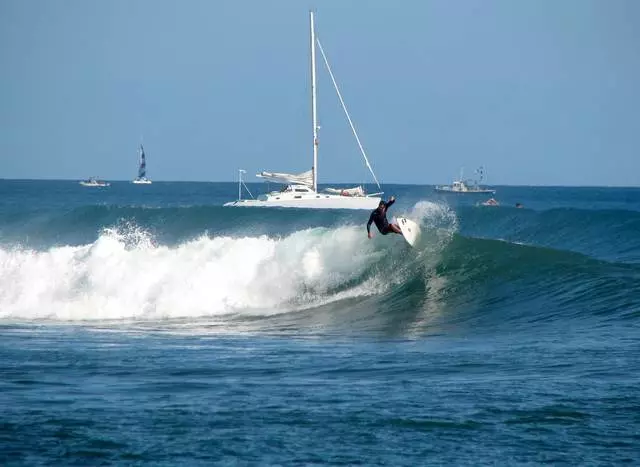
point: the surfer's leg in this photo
(395, 228)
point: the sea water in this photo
(149, 325)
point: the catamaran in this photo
(301, 190)
(462, 186)
(142, 179)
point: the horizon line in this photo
(323, 183)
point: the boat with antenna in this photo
(468, 187)
(142, 179)
(301, 190)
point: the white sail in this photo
(304, 178)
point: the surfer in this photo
(490, 202)
(379, 217)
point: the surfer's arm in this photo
(390, 202)
(369, 224)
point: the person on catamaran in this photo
(379, 217)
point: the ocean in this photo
(149, 325)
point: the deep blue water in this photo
(149, 325)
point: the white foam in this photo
(123, 275)
(434, 215)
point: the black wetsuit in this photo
(380, 219)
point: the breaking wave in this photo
(310, 276)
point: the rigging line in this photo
(344, 107)
(247, 188)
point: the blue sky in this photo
(540, 92)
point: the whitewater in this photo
(126, 274)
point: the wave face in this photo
(610, 234)
(262, 269)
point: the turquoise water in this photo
(148, 325)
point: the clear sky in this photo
(540, 92)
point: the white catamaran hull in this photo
(315, 201)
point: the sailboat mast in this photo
(314, 115)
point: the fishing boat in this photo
(468, 187)
(301, 190)
(142, 179)
(94, 181)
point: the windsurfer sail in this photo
(142, 169)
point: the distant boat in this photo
(491, 202)
(142, 169)
(94, 181)
(462, 186)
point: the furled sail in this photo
(355, 191)
(304, 178)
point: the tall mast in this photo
(346, 112)
(314, 115)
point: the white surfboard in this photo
(410, 230)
